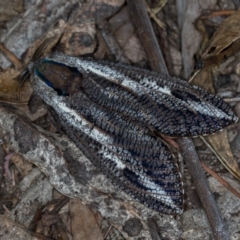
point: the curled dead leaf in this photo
(11, 88)
(226, 34)
(224, 43)
(218, 143)
(83, 222)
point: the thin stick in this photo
(147, 36)
(235, 99)
(208, 202)
(11, 57)
(112, 42)
(157, 63)
(218, 13)
(108, 231)
(221, 180)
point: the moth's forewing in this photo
(169, 105)
(137, 162)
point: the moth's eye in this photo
(63, 79)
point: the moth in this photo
(116, 113)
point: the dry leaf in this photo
(9, 9)
(83, 222)
(203, 78)
(226, 34)
(153, 11)
(218, 143)
(191, 43)
(23, 166)
(216, 60)
(11, 88)
(224, 43)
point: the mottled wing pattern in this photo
(112, 114)
(127, 153)
(173, 108)
(139, 163)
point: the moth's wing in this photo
(159, 188)
(137, 162)
(175, 109)
(196, 111)
(124, 150)
(170, 106)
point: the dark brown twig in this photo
(144, 28)
(211, 209)
(147, 36)
(60, 203)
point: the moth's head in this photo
(61, 78)
(51, 74)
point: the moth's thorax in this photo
(63, 79)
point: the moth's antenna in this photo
(43, 46)
(23, 76)
(37, 54)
